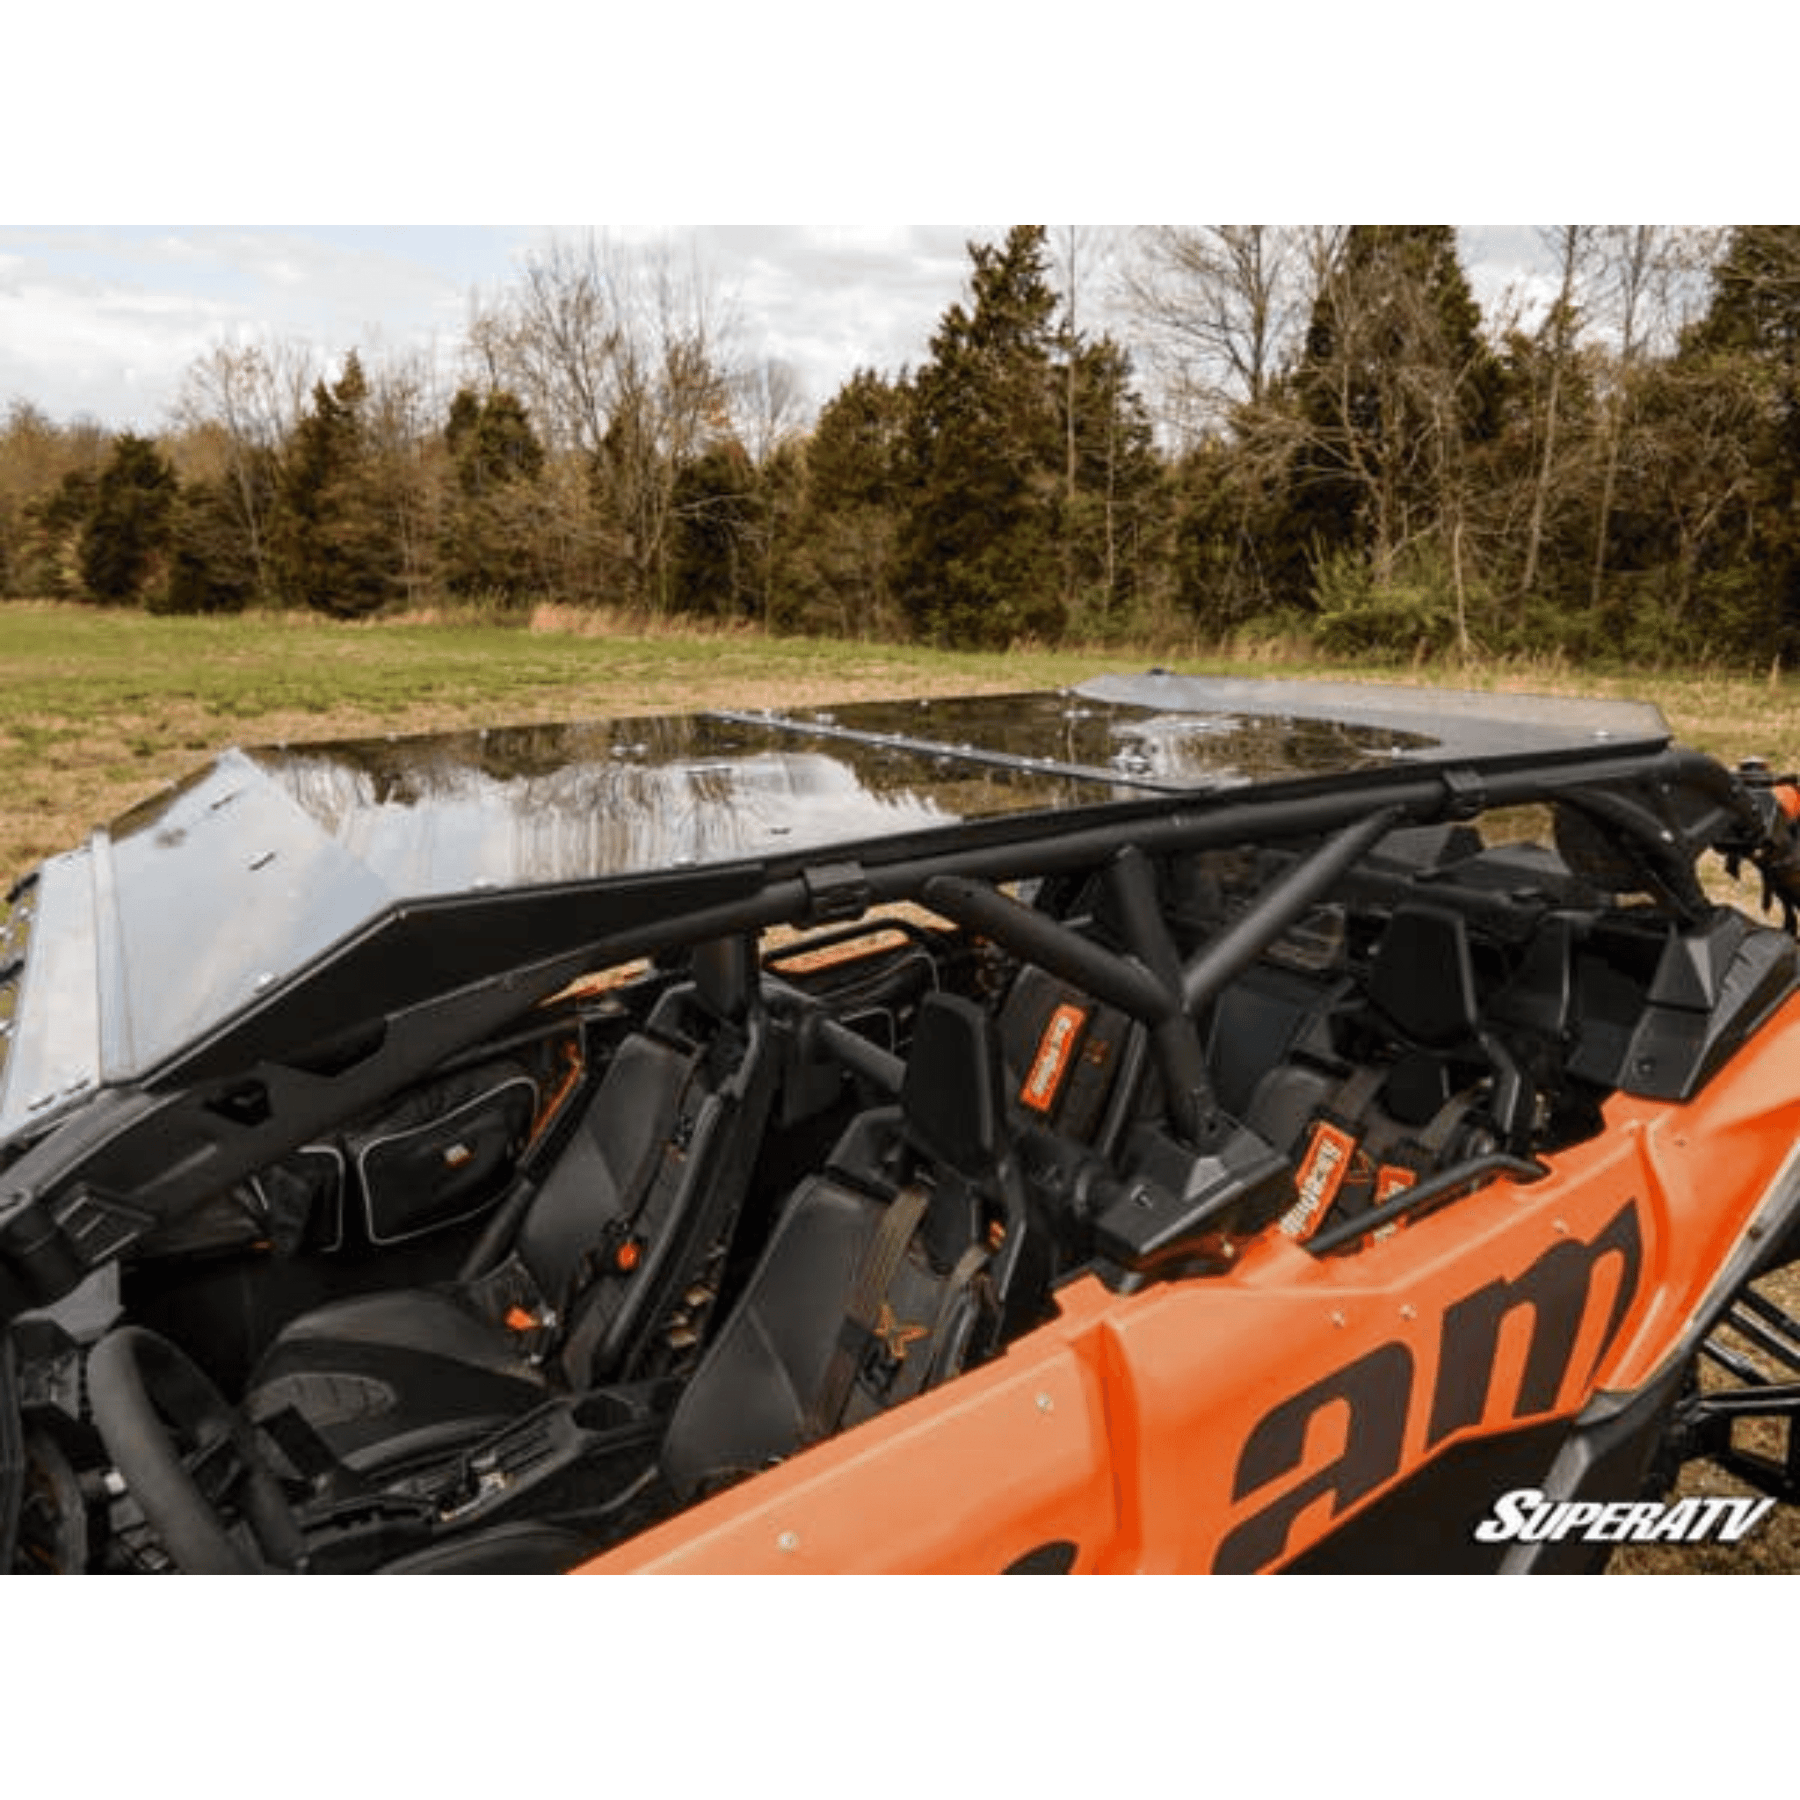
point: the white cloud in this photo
(106, 321)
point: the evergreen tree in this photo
(1751, 335)
(492, 537)
(978, 552)
(36, 456)
(1115, 503)
(716, 505)
(774, 536)
(127, 530)
(211, 567)
(852, 457)
(332, 543)
(1395, 385)
(1225, 522)
(491, 441)
(50, 555)
(1756, 297)
(841, 576)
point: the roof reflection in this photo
(542, 804)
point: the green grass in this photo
(68, 666)
(99, 709)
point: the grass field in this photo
(100, 709)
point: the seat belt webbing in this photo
(893, 1232)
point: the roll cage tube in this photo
(1773, 842)
(1213, 969)
(1151, 985)
(43, 1254)
(1117, 980)
(1686, 802)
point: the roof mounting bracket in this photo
(1467, 793)
(836, 892)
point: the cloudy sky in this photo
(102, 321)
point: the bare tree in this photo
(768, 405)
(626, 361)
(403, 413)
(1371, 439)
(1649, 282)
(554, 338)
(1387, 379)
(1573, 247)
(36, 456)
(1070, 252)
(1073, 247)
(1221, 310)
(250, 394)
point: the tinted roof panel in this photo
(221, 890)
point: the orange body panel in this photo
(1230, 1421)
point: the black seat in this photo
(1377, 1092)
(880, 1275)
(621, 1229)
(1072, 1061)
(1422, 989)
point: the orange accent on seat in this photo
(1392, 1179)
(552, 1103)
(1329, 1153)
(1051, 1062)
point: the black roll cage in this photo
(142, 1152)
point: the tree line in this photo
(1311, 434)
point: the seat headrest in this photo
(725, 974)
(953, 1098)
(1423, 979)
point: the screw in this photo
(788, 1542)
(1045, 1403)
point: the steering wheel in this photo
(183, 1451)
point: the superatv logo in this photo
(1525, 1516)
